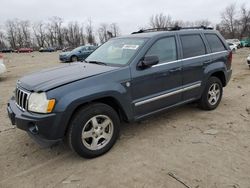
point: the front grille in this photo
(22, 98)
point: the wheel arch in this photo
(108, 100)
(221, 76)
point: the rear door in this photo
(194, 57)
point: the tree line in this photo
(54, 33)
(234, 23)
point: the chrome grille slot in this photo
(22, 98)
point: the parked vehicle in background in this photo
(48, 49)
(232, 46)
(126, 79)
(7, 50)
(245, 42)
(2, 66)
(235, 41)
(248, 61)
(78, 54)
(24, 50)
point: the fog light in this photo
(33, 129)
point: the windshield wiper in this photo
(97, 62)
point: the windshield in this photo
(77, 49)
(117, 51)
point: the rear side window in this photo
(192, 45)
(165, 49)
(215, 43)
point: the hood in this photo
(51, 78)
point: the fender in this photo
(73, 99)
(213, 68)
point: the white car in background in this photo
(2, 66)
(232, 46)
(248, 61)
(234, 41)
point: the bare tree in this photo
(11, 33)
(114, 29)
(244, 22)
(73, 34)
(103, 32)
(56, 29)
(39, 33)
(229, 20)
(160, 21)
(89, 32)
(2, 40)
(25, 33)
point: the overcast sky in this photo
(128, 14)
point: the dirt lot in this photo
(202, 149)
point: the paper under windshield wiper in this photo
(97, 62)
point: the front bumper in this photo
(41, 127)
(64, 58)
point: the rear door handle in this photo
(175, 70)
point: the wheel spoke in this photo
(94, 143)
(105, 123)
(87, 134)
(94, 122)
(214, 87)
(217, 91)
(106, 136)
(210, 100)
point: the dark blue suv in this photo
(126, 79)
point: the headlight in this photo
(38, 102)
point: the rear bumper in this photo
(229, 75)
(42, 128)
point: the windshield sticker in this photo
(130, 46)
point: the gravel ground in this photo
(202, 149)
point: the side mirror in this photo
(148, 61)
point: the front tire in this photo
(93, 130)
(212, 94)
(74, 59)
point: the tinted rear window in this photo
(192, 45)
(215, 43)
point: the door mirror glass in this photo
(148, 61)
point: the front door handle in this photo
(175, 70)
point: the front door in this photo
(157, 87)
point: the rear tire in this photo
(93, 130)
(212, 94)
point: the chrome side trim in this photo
(185, 59)
(168, 94)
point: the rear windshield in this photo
(215, 43)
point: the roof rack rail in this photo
(175, 28)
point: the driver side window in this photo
(165, 49)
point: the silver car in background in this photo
(2, 66)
